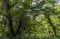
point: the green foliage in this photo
(29, 19)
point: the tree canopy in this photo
(29, 19)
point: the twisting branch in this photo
(21, 24)
(11, 24)
(47, 15)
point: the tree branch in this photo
(21, 24)
(10, 22)
(47, 15)
(9, 17)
